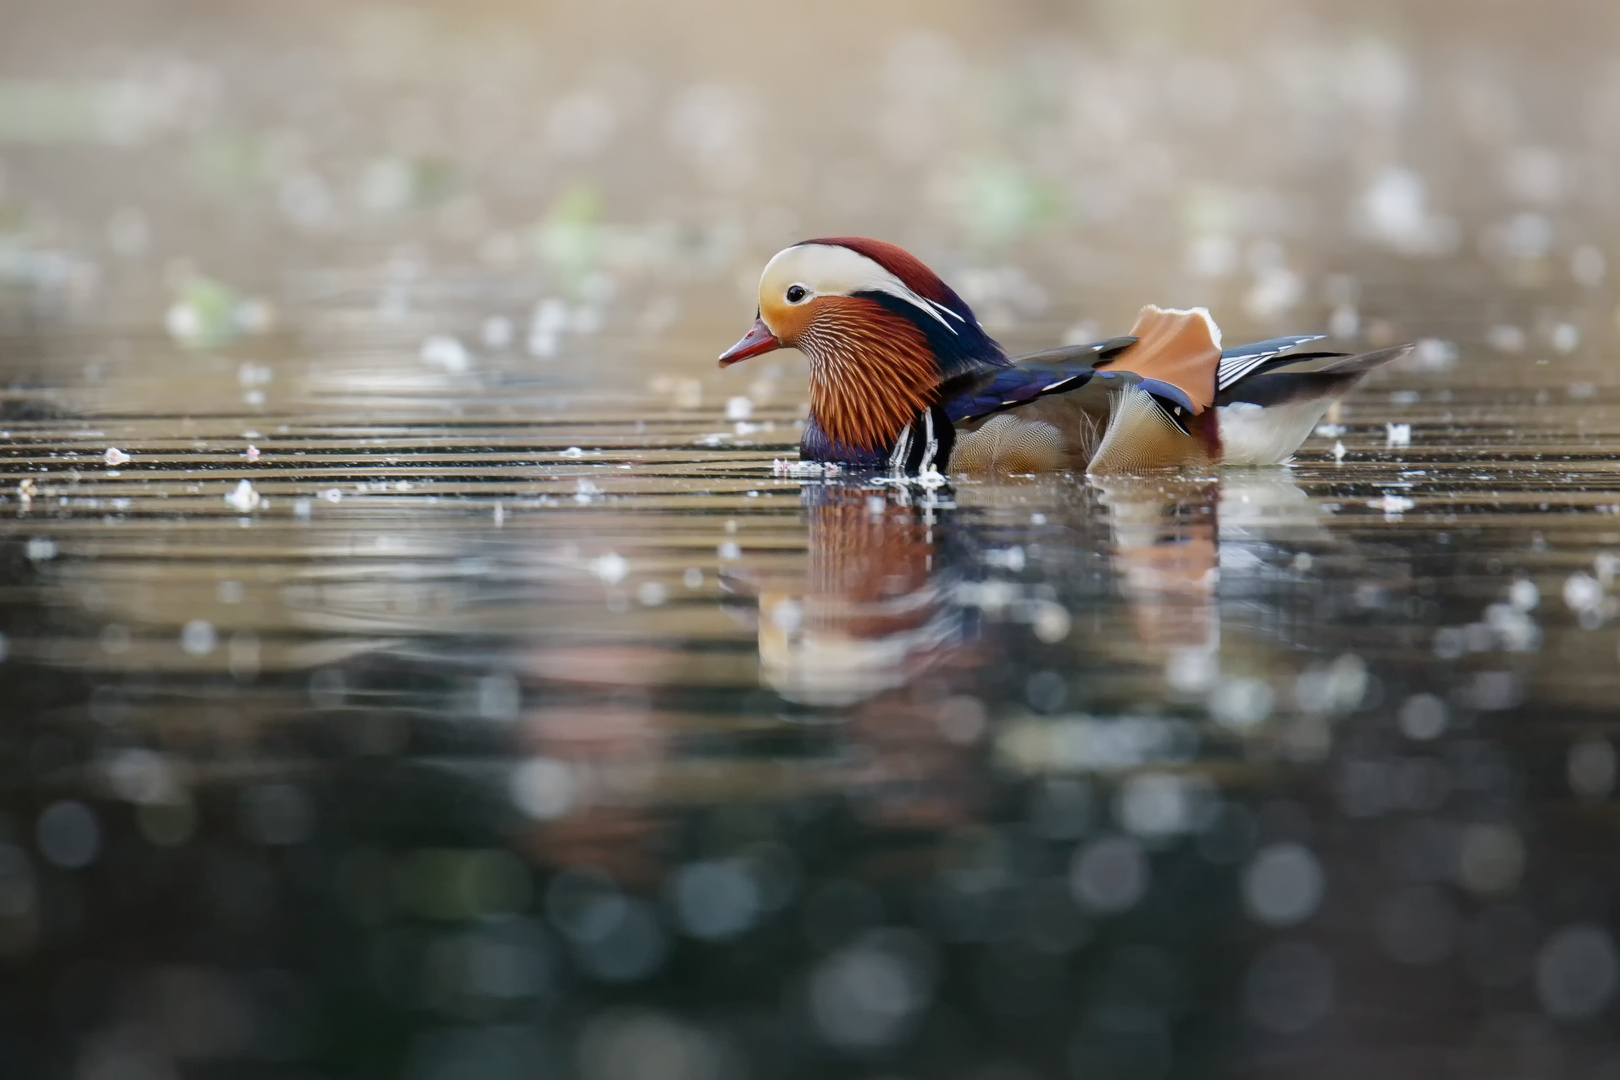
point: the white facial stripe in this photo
(831, 270)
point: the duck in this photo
(904, 378)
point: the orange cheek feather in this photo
(788, 321)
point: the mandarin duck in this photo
(903, 377)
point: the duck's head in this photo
(881, 330)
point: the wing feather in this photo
(1011, 387)
(1243, 360)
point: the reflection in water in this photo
(894, 568)
(1005, 750)
(1166, 550)
(874, 609)
(1015, 752)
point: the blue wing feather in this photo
(1053, 371)
(1012, 387)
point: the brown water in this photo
(421, 663)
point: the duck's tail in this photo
(1266, 416)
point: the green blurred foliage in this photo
(569, 239)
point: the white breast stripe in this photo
(902, 449)
(933, 443)
(947, 311)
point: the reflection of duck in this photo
(1166, 550)
(902, 375)
(867, 631)
(870, 613)
(1266, 505)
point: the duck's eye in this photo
(796, 293)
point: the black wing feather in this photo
(1241, 361)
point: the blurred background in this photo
(421, 662)
(1059, 161)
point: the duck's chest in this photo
(926, 442)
